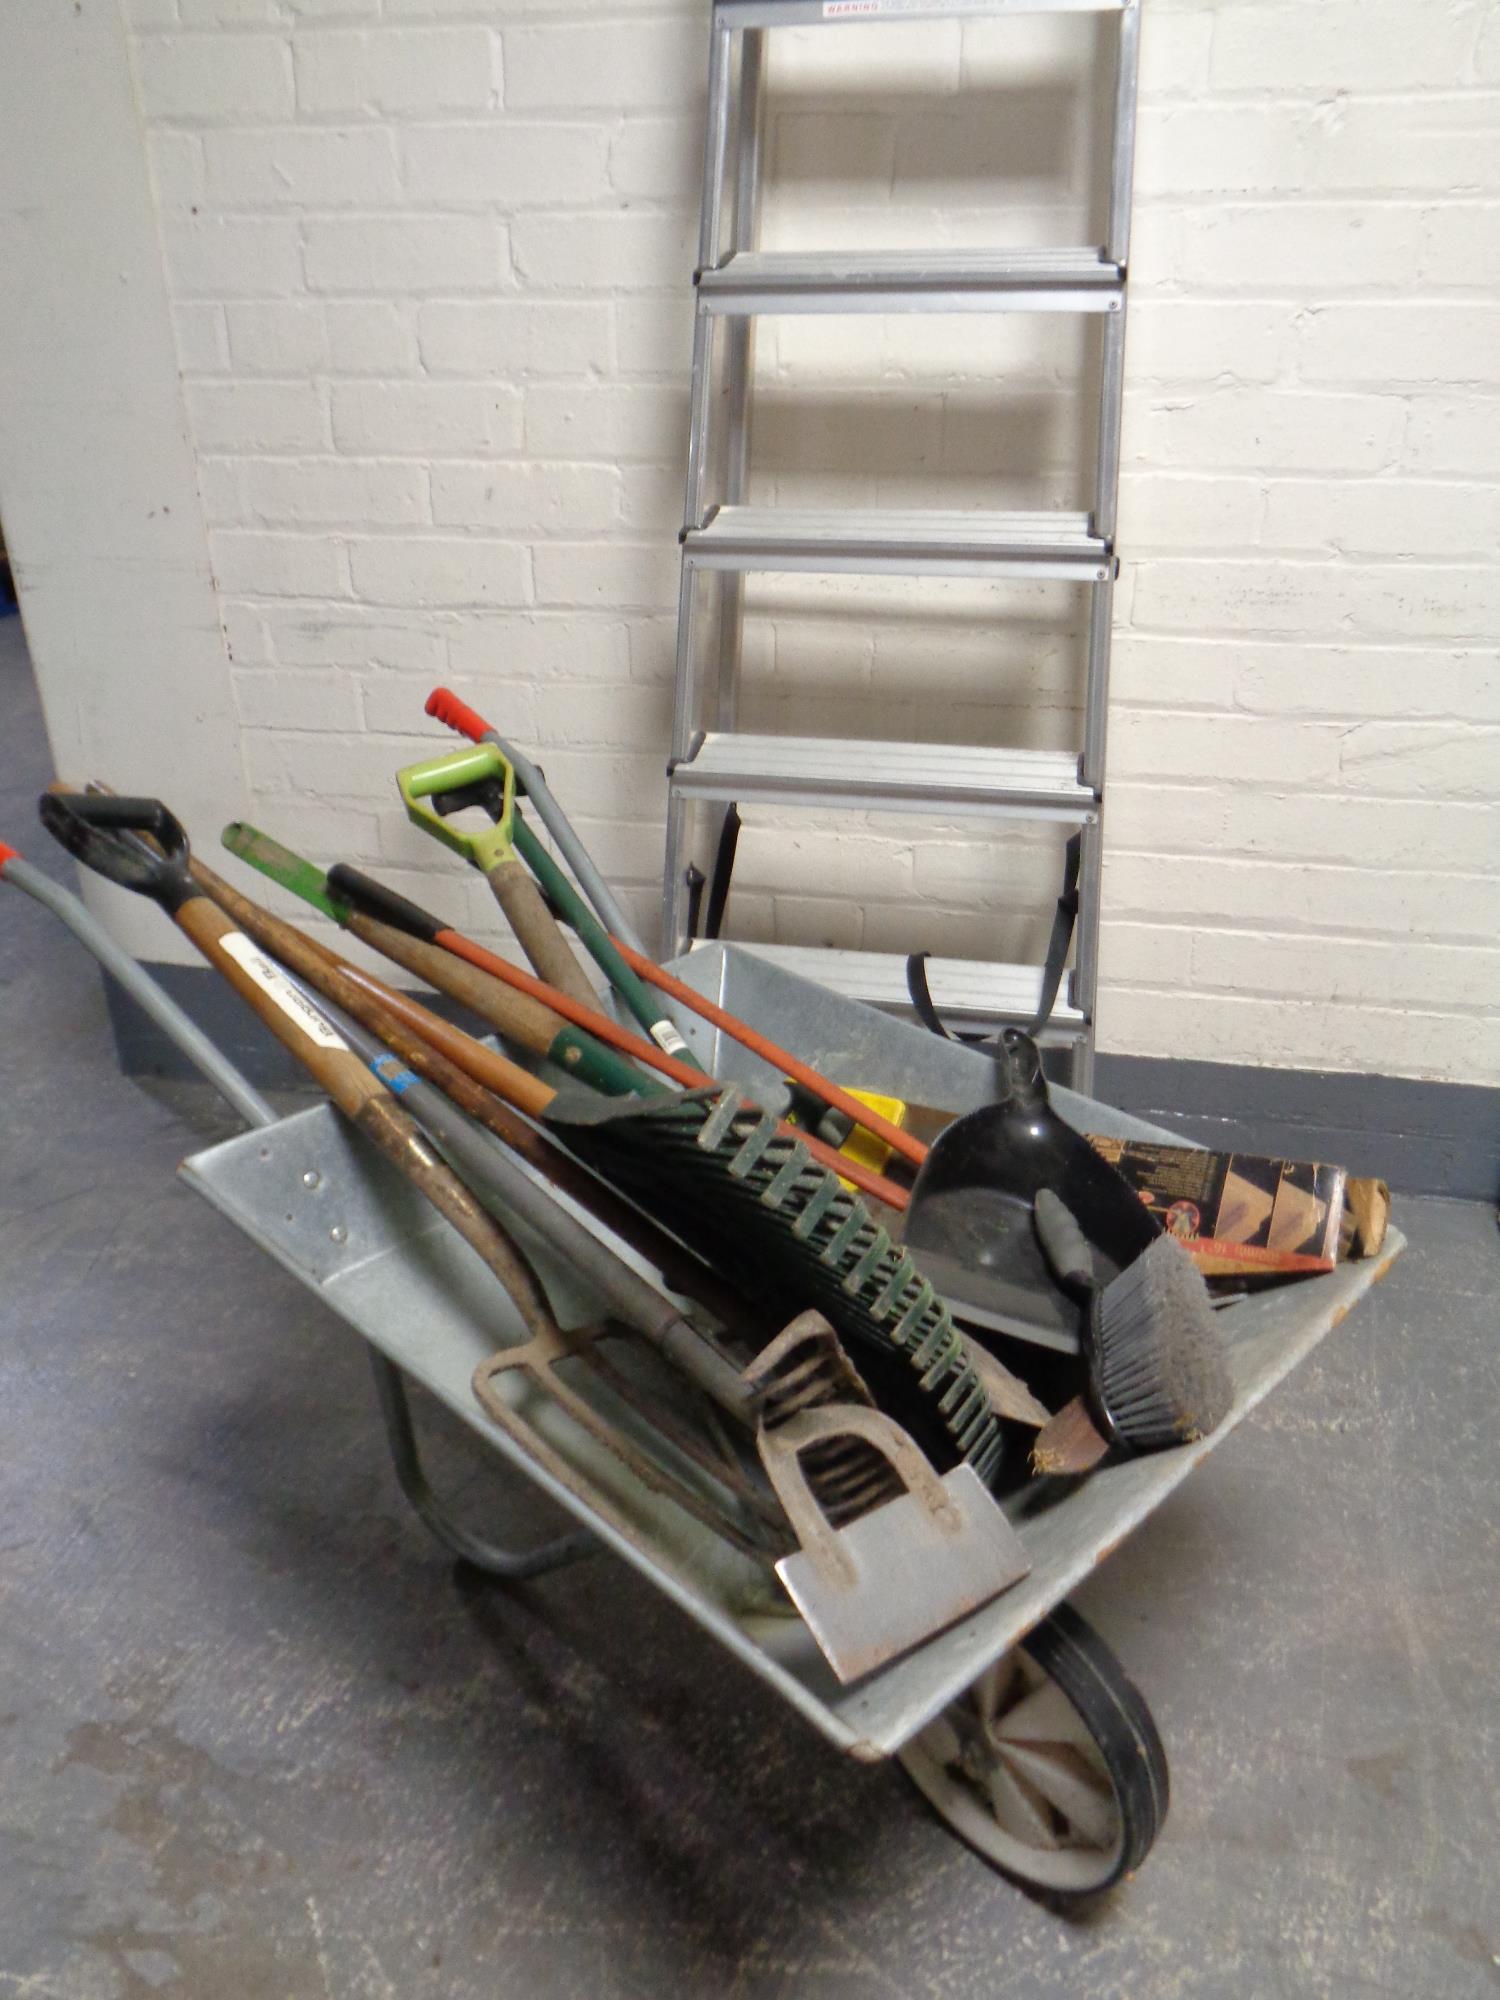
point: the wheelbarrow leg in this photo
(510, 1565)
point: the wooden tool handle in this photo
(334, 977)
(398, 1137)
(360, 1095)
(1068, 1444)
(536, 927)
(517, 1015)
(507, 1079)
(294, 1021)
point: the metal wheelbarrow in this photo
(1018, 1724)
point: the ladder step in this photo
(966, 993)
(923, 543)
(889, 777)
(915, 281)
(837, 13)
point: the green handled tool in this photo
(517, 1015)
(481, 775)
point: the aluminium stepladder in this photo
(714, 763)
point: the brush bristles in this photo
(1158, 1368)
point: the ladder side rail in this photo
(739, 358)
(716, 140)
(1085, 979)
(1122, 152)
(1096, 701)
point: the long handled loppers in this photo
(347, 894)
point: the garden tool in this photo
(344, 886)
(443, 704)
(519, 1016)
(459, 716)
(492, 850)
(939, 1552)
(970, 1215)
(482, 777)
(627, 969)
(744, 1192)
(139, 845)
(315, 1039)
(98, 829)
(374, 1007)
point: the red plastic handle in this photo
(8, 854)
(446, 706)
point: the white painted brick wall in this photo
(429, 262)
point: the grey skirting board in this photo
(1424, 1138)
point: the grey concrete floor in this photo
(260, 1741)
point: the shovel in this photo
(970, 1217)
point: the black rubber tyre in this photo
(1050, 1765)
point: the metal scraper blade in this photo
(905, 1573)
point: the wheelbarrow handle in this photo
(145, 991)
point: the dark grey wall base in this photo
(144, 1050)
(1424, 1138)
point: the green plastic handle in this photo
(283, 866)
(452, 772)
(632, 989)
(574, 1050)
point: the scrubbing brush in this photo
(1158, 1373)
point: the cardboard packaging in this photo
(1242, 1215)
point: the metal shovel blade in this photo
(872, 1590)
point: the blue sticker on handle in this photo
(393, 1073)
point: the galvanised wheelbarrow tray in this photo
(973, 1710)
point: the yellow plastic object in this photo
(863, 1147)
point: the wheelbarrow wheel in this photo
(1049, 1765)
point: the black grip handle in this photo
(96, 828)
(1028, 1082)
(488, 793)
(1063, 1243)
(373, 899)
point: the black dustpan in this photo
(970, 1219)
